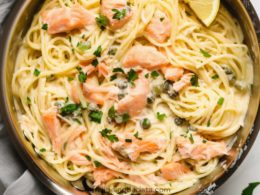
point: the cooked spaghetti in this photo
(134, 94)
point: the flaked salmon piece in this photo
(66, 19)
(79, 159)
(174, 171)
(136, 100)
(172, 74)
(185, 81)
(135, 148)
(147, 57)
(102, 175)
(109, 9)
(52, 125)
(74, 92)
(98, 94)
(200, 150)
(103, 69)
(159, 28)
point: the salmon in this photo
(66, 19)
(136, 100)
(172, 74)
(159, 28)
(134, 149)
(200, 150)
(98, 94)
(102, 175)
(52, 125)
(74, 92)
(78, 159)
(103, 69)
(107, 7)
(147, 57)
(185, 81)
(174, 171)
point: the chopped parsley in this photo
(112, 112)
(125, 117)
(98, 51)
(114, 116)
(119, 14)
(214, 77)
(119, 70)
(205, 54)
(221, 101)
(82, 77)
(88, 158)
(137, 136)
(42, 150)
(208, 124)
(160, 116)
(95, 116)
(112, 51)
(102, 21)
(113, 77)
(146, 75)
(128, 140)
(132, 76)
(45, 26)
(154, 74)
(194, 80)
(95, 62)
(107, 133)
(97, 164)
(146, 123)
(84, 46)
(36, 72)
(29, 101)
(69, 109)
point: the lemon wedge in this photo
(206, 10)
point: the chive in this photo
(119, 70)
(95, 116)
(221, 101)
(36, 72)
(160, 116)
(194, 80)
(98, 51)
(97, 164)
(102, 21)
(155, 74)
(205, 54)
(214, 77)
(128, 140)
(204, 141)
(45, 26)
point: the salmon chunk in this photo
(200, 150)
(66, 19)
(172, 74)
(117, 12)
(185, 81)
(159, 28)
(74, 92)
(78, 159)
(174, 171)
(136, 100)
(102, 175)
(147, 57)
(52, 126)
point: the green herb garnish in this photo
(113, 77)
(84, 46)
(29, 101)
(137, 136)
(132, 76)
(106, 133)
(82, 77)
(221, 101)
(208, 124)
(155, 74)
(128, 140)
(69, 109)
(112, 112)
(205, 54)
(112, 51)
(42, 150)
(88, 158)
(36, 72)
(119, 14)
(98, 51)
(214, 77)
(191, 139)
(95, 116)
(45, 26)
(95, 62)
(102, 21)
(160, 116)
(119, 70)
(194, 80)
(97, 164)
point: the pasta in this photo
(141, 96)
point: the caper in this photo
(146, 124)
(167, 85)
(121, 95)
(150, 98)
(179, 121)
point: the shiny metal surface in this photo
(14, 30)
